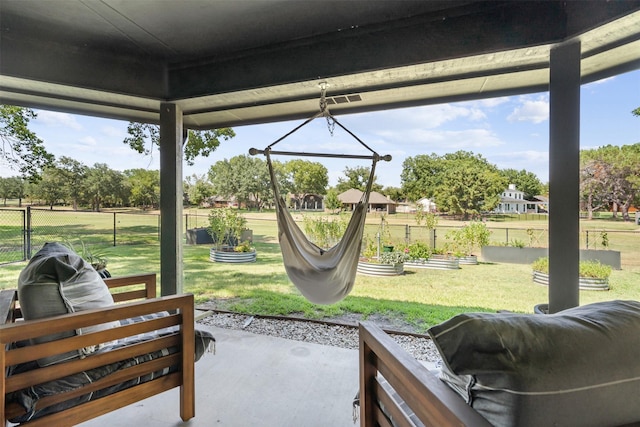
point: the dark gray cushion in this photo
(579, 367)
(58, 281)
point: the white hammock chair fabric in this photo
(322, 276)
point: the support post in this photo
(170, 199)
(564, 176)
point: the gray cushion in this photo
(58, 281)
(579, 367)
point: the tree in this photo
(50, 187)
(460, 183)
(104, 186)
(306, 178)
(143, 137)
(611, 176)
(198, 189)
(421, 176)
(20, 148)
(394, 193)
(525, 181)
(244, 177)
(144, 187)
(11, 188)
(332, 202)
(357, 178)
(73, 174)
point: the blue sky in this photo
(510, 132)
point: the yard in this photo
(420, 297)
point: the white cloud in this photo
(599, 82)
(88, 140)
(54, 119)
(113, 132)
(535, 111)
(532, 160)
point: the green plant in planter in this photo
(325, 232)
(590, 269)
(392, 258)
(517, 243)
(244, 247)
(97, 260)
(226, 226)
(418, 250)
(464, 240)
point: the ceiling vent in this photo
(343, 99)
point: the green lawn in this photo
(421, 297)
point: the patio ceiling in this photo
(232, 63)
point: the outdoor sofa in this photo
(577, 368)
(68, 368)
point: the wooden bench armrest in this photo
(432, 401)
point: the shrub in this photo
(419, 250)
(226, 226)
(590, 269)
(466, 239)
(395, 257)
(325, 232)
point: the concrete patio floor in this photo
(257, 380)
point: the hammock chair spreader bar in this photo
(387, 158)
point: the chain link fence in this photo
(24, 231)
(12, 235)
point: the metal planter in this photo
(437, 262)
(375, 269)
(585, 283)
(231, 257)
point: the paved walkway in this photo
(257, 380)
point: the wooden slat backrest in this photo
(140, 286)
(181, 315)
(433, 402)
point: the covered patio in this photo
(257, 380)
(209, 64)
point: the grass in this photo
(422, 297)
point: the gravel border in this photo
(420, 347)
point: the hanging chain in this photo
(331, 123)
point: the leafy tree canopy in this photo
(610, 175)
(525, 181)
(244, 177)
(143, 137)
(460, 183)
(20, 148)
(357, 178)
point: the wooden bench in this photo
(138, 287)
(433, 402)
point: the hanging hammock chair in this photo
(322, 276)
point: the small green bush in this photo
(419, 250)
(391, 258)
(590, 269)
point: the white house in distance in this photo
(428, 205)
(513, 201)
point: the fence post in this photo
(114, 229)
(407, 234)
(507, 233)
(28, 234)
(587, 238)
(434, 238)
(186, 222)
